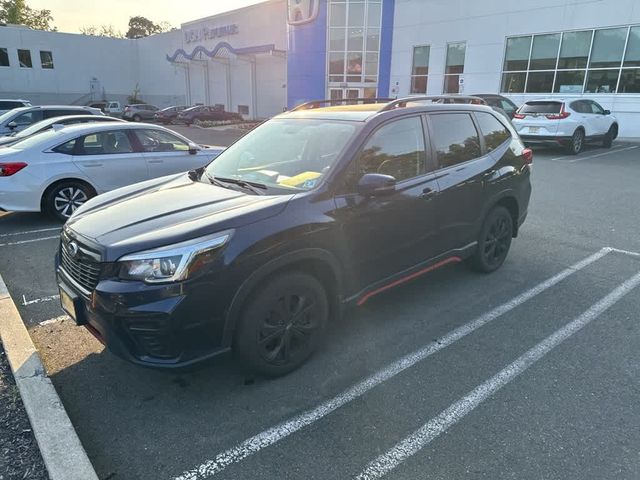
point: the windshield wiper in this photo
(251, 186)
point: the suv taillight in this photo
(527, 155)
(519, 116)
(8, 169)
(558, 116)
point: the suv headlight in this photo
(173, 262)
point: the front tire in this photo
(494, 241)
(576, 143)
(282, 324)
(65, 198)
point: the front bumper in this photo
(166, 326)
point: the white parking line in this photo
(39, 300)
(27, 232)
(570, 159)
(274, 434)
(450, 416)
(28, 241)
(626, 252)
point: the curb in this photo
(60, 447)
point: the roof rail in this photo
(339, 101)
(402, 102)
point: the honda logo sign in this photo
(302, 11)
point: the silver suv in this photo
(7, 104)
(139, 111)
(20, 118)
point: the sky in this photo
(71, 15)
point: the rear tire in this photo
(282, 324)
(137, 118)
(576, 143)
(494, 241)
(66, 197)
(609, 137)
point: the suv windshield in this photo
(290, 154)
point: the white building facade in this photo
(264, 58)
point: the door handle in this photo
(92, 164)
(428, 193)
(156, 161)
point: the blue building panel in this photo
(307, 59)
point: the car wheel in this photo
(576, 143)
(136, 118)
(66, 197)
(282, 324)
(494, 242)
(609, 136)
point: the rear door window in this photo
(493, 131)
(10, 105)
(541, 107)
(455, 138)
(395, 149)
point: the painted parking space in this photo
(391, 393)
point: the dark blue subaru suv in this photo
(318, 208)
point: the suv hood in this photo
(165, 211)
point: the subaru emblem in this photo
(72, 249)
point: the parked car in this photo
(496, 101)
(169, 114)
(284, 229)
(49, 123)
(57, 170)
(108, 107)
(7, 104)
(139, 112)
(568, 123)
(23, 117)
(202, 113)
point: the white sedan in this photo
(58, 170)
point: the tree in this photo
(140, 26)
(18, 12)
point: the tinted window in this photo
(494, 132)
(28, 118)
(104, 143)
(10, 105)
(455, 138)
(66, 148)
(395, 149)
(160, 141)
(580, 107)
(507, 106)
(4, 57)
(541, 107)
(24, 58)
(595, 107)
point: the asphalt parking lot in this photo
(531, 372)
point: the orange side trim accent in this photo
(402, 280)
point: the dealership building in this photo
(262, 59)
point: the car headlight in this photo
(173, 262)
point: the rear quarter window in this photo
(493, 130)
(541, 107)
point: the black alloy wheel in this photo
(576, 143)
(282, 325)
(65, 198)
(494, 242)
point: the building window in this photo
(353, 46)
(46, 59)
(4, 57)
(454, 67)
(420, 69)
(587, 61)
(24, 58)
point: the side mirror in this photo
(193, 149)
(607, 112)
(12, 125)
(376, 184)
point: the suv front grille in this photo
(82, 269)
